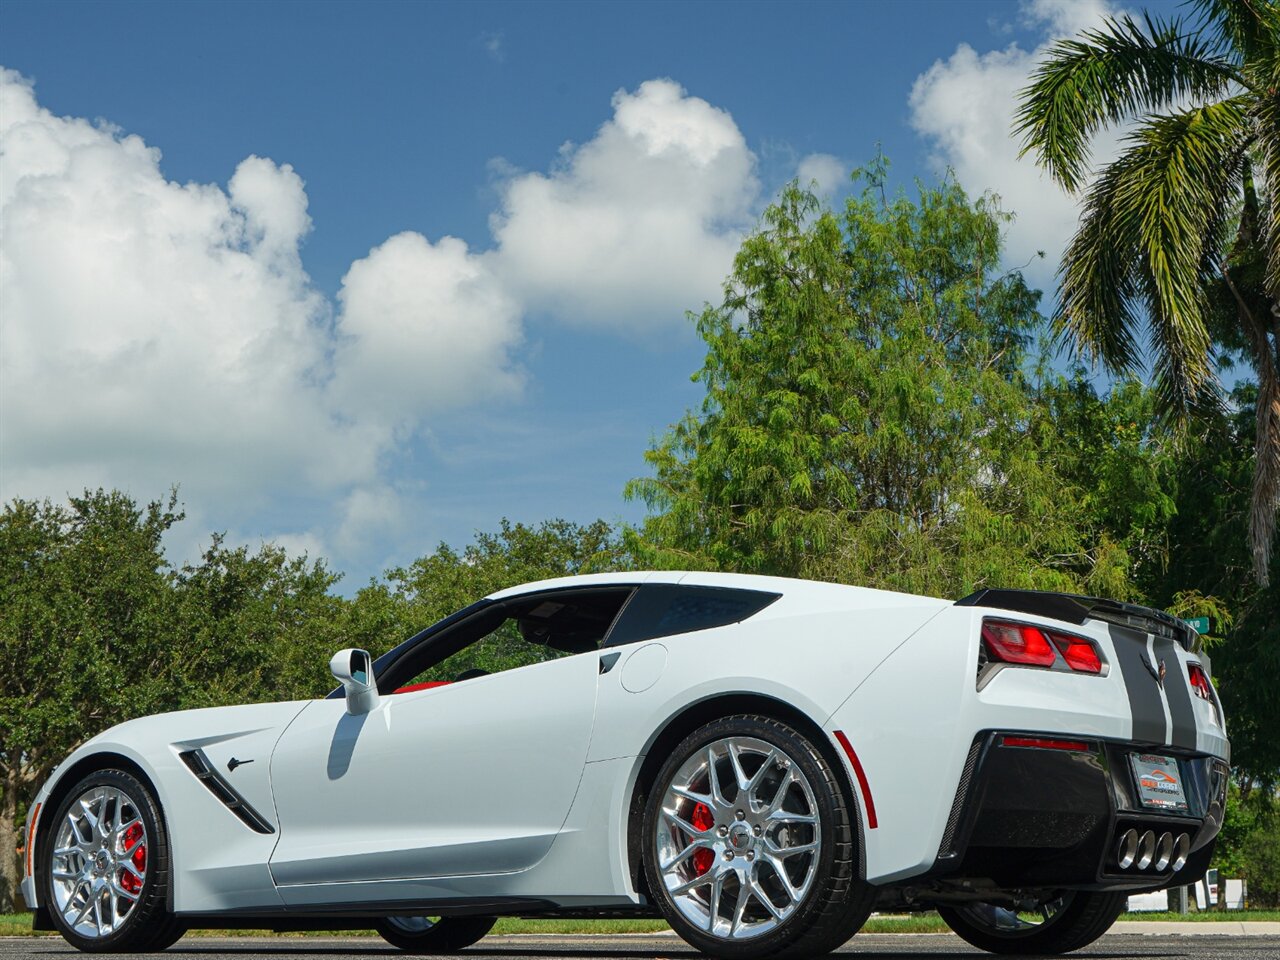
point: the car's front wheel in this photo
(105, 866)
(434, 934)
(1063, 922)
(750, 844)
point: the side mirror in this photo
(354, 670)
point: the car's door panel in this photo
(469, 779)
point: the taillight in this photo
(1200, 682)
(1203, 687)
(1022, 643)
(1079, 653)
(1017, 643)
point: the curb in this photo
(1203, 928)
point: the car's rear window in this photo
(665, 609)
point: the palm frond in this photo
(1106, 76)
(1098, 299)
(1153, 233)
(1246, 25)
(1185, 174)
(1266, 119)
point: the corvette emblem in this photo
(1157, 673)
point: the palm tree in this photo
(1178, 245)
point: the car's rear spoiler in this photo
(1076, 609)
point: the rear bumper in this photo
(1034, 816)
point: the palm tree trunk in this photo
(1264, 342)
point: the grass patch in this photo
(19, 925)
(1207, 916)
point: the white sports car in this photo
(759, 761)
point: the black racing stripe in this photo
(1181, 710)
(1145, 702)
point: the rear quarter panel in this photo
(914, 719)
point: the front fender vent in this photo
(199, 764)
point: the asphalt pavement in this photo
(1125, 945)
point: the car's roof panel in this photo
(787, 586)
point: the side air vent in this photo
(948, 846)
(199, 764)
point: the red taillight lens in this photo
(1079, 653)
(1017, 643)
(1200, 681)
(1010, 642)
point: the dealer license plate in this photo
(1159, 782)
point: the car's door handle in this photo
(607, 661)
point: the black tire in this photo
(444, 935)
(1081, 919)
(836, 901)
(147, 926)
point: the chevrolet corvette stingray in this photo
(759, 761)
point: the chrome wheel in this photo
(99, 862)
(738, 838)
(1014, 921)
(413, 925)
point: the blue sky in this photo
(268, 311)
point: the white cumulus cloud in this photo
(154, 332)
(964, 107)
(638, 224)
(827, 171)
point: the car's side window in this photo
(665, 609)
(507, 635)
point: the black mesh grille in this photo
(957, 806)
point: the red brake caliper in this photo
(131, 837)
(703, 820)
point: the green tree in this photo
(86, 640)
(867, 417)
(1119, 463)
(1208, 556)
(255, 626)
(1180, 235)
(1249, 843)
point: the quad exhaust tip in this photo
(1128, 849)
(1180, 851)
(1143, 851)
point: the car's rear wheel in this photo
(1066, 921)
(750, 846)
(105, 867)
(434, 934)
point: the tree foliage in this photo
(1180, 235)
(867, 415)
(86, 633)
